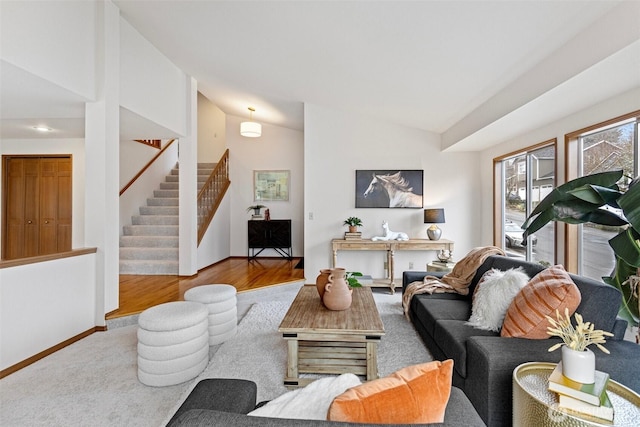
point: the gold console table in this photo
(390, 246)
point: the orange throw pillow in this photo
(550, 290)
(416, 394)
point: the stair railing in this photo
(211, 194)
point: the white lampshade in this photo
(250, 129)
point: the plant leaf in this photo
(625, 245)
(535, 224)
(596, 194)
(629, 307)
(572, 201)
(630, 204)
(604, 217)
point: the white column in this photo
(188, 159)
(102, 143)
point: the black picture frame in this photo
(389, 188)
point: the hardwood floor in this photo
(138, 293)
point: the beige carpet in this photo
(94, 381)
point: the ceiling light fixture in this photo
(251, 129)
(42, 129)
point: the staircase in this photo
(150, 245)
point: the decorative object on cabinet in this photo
(270, 185)
(274, 234)
(389, 188)
(256, 211)
(251, 129)
(353, 222)
(444, 256)
(433, 217)
(390, 235)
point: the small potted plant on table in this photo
(256, 210)
(353, 223)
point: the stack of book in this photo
(352, 236)
(589, 400)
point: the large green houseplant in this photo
(580, 201)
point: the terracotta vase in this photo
(353, 229)
(322, 280)
(579, 366)
(337, 294)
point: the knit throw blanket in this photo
(457, 281)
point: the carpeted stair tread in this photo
(159, 210)
(148, 267)
(155, 219)
(166, 193)
(150, 230)
(145, 253)
(149, 241)
(163, 201)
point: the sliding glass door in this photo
(527, 178)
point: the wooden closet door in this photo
(65, 203)
(55, 204)
(38, 203)
(31, 220)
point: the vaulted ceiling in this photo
(476, 72)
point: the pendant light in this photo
(251, 129)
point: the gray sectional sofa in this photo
(225, 402)
(484, 361)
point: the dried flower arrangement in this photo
(577, 338)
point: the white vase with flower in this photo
(578, 362)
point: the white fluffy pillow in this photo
(311, 402)
(492, 298)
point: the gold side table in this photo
(535, 405)
(434, 266)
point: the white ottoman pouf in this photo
(220, 300)
(173, 343)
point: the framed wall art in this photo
(393, 188)
(270, 185)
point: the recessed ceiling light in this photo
(42, 129)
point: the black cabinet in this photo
(274, 234)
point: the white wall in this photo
(609, 109)
(277, 149)
(212, 141)
(216, 242)
(54, 40)
(150, 85)
(133, 157)
(44, 304)
(337, 144)
(74, 147)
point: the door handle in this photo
(29, 222)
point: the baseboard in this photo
(11, 369)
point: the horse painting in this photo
(398, 189)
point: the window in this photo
(603, 147)
(524, 178)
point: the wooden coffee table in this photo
(322, 341)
